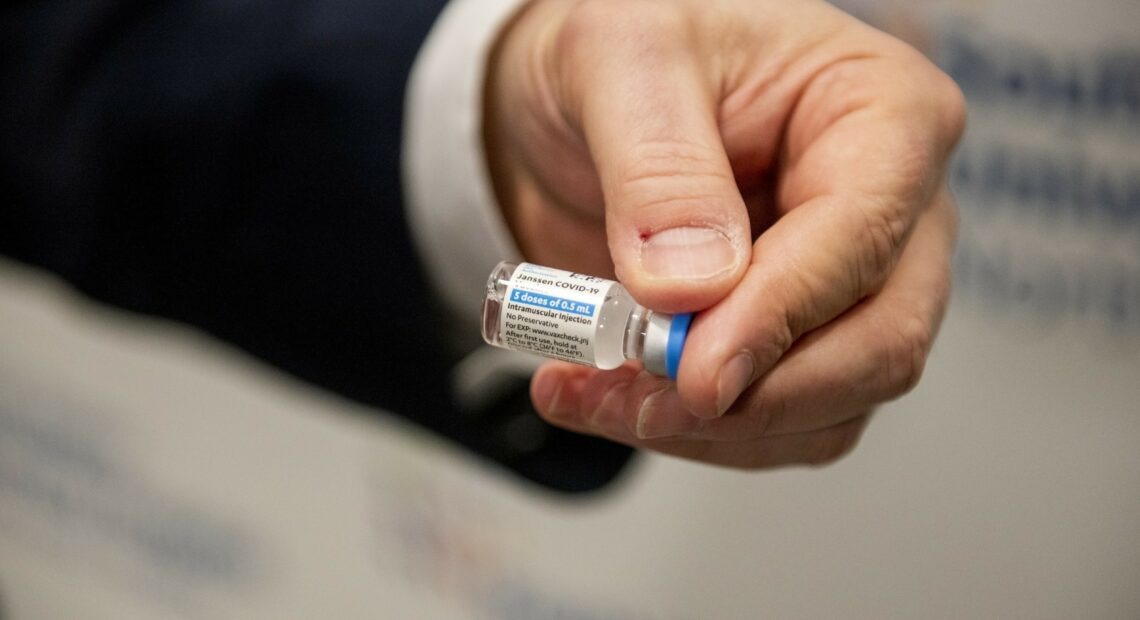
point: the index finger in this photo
(864, 153)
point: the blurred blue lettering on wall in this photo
(1048, 177)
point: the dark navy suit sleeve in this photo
(234, 164)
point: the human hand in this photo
(674, 133)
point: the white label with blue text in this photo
(552, 312)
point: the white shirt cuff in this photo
(455, 220)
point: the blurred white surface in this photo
(148, 473)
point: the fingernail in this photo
(663, 415)
(546, 390)
(687, 252)
(612, 404)
(734, 378)
(609, 418)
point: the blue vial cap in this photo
(678, 331)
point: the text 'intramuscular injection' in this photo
(578, 318)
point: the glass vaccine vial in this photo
(578, 318)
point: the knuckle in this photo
(585, 21)
(664, 184)
(584, 29)
(654, 160)
(646, 24)
(952, 110)
(768, 410)
(671, 171)
(797, 297)
(906, 355)
(781, 334)
(881, 236)
(834, 445)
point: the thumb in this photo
(677, 227)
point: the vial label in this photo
(552, 312)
